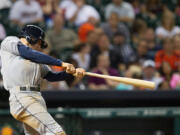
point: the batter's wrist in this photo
(63, 64)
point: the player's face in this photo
(37, 46)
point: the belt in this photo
(29, 89)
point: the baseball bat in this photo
(125, 80)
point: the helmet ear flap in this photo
(30, 40)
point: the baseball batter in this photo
(23, 67)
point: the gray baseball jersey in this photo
(17, 71)
(26, 106)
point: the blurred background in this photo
(129, 38)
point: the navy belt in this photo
(30, 89)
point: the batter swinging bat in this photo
(125, 80)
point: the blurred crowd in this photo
(130, 38)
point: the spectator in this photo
(104, 47)
(80, 13)
(149, 17)
(149, 72)
(168, 27)
(136, 6)
(113, 25)
(49, 7)
(138, 29)
(164, 85)
(176, 42)
(83, 31)
(175, 81)
(166, 71)
(133, 71)
(5, 4)
(99, 5)
(82, 56)
(141, 51)
(58, 37)
(103, 67)
(177, 8)
(93, 36)
(167, 55)
(66, 4)
(26, 11)
(176, 45)
(154, 6)
(123, 9)
(152, 44)
(123, 49)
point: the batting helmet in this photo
(33, 34)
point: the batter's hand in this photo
(80, 72)
(69, 68)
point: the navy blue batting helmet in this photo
(33, 34)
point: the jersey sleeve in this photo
(15, 47)
(57, 76)
(10, 44)
(36, 56)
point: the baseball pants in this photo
(30, 109)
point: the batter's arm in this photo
(57, 76)
(36, 56)
(13, 45)
(41, 58)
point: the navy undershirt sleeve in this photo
(36, 56)
(57, 76)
